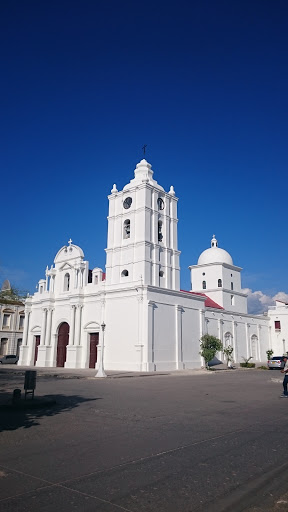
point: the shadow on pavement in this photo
(25, 417)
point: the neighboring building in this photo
(150, 323)
(11, 321)
(278, 321)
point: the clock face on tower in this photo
(127, 202)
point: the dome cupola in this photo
(214, 255)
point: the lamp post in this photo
(101, 372)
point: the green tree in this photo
(228, 351)
(12, 296)
(209, 346)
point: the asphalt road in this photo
(214, 442)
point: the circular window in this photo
(203, 274)
(160, 203)
(127, 202)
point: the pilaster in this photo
(150, 344)
(178, 337)
(43, 326)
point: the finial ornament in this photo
(114, 189)
(171, 191)
(214, 242)
(70, 242)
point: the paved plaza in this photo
(213, 441)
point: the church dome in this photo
(214, 255)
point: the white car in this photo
(276, 362)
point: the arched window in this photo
(231, 285)
(161, 273)
(204, 285)
(124, 273)
(66, 282)
(160, 234)
(126, 229)
(219, 283)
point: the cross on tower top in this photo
(70, 242)
(144, 148)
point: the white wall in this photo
(279, 339)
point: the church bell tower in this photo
(142, 233)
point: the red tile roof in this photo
(209, 303)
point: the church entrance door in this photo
(37, 343)
(94, 340)
(63, 339)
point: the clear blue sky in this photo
(86, 83)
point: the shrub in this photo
(209, 346)
(247, 365)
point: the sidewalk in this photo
(89, 373)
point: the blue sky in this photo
(85, 84)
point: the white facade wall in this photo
(248, 334)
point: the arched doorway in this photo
(63, 339)
(94, 340)
(37, 343)
(19, 343)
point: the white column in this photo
(270, 337)
(202, 331)
(49, 324)
(220, 336)
(72, 325)
(77, 340)
(234, 333)
(150, 345)
(220, 329)
(43, 326)
(26, 327)
(139, 345)
(248, 349)
(178, 329)
(258, 342)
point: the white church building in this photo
(78, 312)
